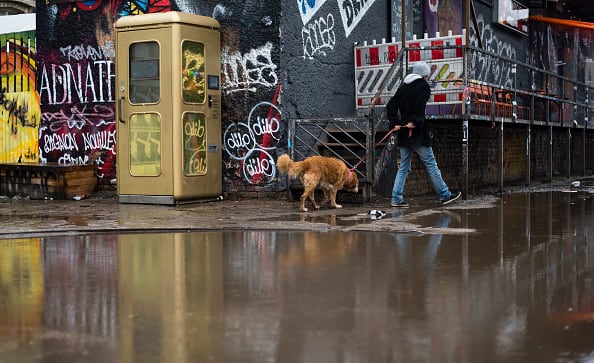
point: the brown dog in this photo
(329, 173)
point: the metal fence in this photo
(348, 139)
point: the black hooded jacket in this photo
(408, 105)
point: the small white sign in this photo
(17, 23)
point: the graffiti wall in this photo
(19, 105)
(254, 130)
(77, 73)
(76, 77)
(318, 58)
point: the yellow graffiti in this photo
(19, 101)
(19, 127)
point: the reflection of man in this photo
(404, 241)
(418, 254)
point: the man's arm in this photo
(421, 104)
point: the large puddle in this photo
(519, 289)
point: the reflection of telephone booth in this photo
(168, 108)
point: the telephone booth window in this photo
(144, 72)
(193, 78)
(194, 134)
(145, 144)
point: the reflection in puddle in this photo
(328, 218)
(519, 287)
(332, 218)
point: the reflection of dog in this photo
(329, 173)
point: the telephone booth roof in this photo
(166, 18)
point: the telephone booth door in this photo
(168, 108)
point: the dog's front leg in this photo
(302, 203)
(333, 192)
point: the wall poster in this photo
(511, 15)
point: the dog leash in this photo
(367, 154)
(379, 142)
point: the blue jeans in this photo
(426, 155)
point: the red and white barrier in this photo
(443, 54)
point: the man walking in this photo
(406, 113)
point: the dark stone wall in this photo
(561, 152)
(485, 159)
(483, 151)
(540, 160)
(581, 152)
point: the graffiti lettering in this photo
(79, 52)
(244, 73)
(259, 163)
(198, 163)
(194, 130)
(100, 115)
(58, 142)
(77, 160)
(71, 83)
(318, 36)
(105, 140)
(352, 11)
(250, 143)
(238, 140)
(266, 126)
(487, 67)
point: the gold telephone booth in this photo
(168, 108)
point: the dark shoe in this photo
(400, 205)
(452, 198)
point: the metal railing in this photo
(519, 92)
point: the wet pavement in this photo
(490, 279)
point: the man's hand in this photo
(410, 127)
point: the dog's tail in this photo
(287, 166)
